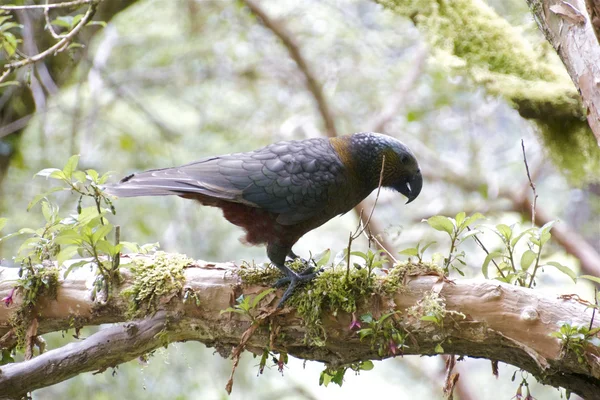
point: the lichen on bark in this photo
(468, 36)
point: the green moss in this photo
(472, 32)
(35, 281)
(331, 292)
(468, 35)
(155, 278)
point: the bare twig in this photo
(49, 23)
(476, 239)
(451, 378)
(594, 308)
(312, 83)
(59, 46)
(46, 6)
(535, 196)
(15, 125)
(362, 226)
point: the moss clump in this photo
(35, 281)
(156, 278)
(333, 291)
(251, 274)
(469, 36)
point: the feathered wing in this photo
(293, 179)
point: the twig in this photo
(488, 253)
(59, 46)
(294, 50)
(535, 196)
(49, 23)
(46, 6)
(594, 308)
(362, 226)
(366, 224)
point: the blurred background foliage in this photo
(170, 81)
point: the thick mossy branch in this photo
(155, 279)
(469, 36)
(476, 318)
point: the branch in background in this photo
(289, 42)
(507, 323)
(58, 47)
(434, 168)
(46, 6)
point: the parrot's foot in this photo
(295, 280)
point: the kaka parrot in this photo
(286, 189)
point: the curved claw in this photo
(286, 279)
(295, 280)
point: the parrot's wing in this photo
(293, 179)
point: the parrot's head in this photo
(401, 170)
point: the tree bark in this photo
(501, 322)
(572, 33)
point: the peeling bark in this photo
(503, 322)
(575, 40)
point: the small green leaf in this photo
(71, 166)
(545, 236)
(427, 246)
(439, 349)
(527, 258)
(46, 172)
(80, 176)
(360, 254)
(66, 253)
(516, 239)
(470, 233)
(92, 174)
(366, 318)
(323, 258)
(504, 230)
(324, 379)
(367, 365)
(101, 232)
(441, 223)
(430, 318)
(564, 269)
(363, 333)
(548, 226)
(41, 196)
(73, 266)
(260, 296)
(475, 217)
(133, 247)
(460, 218)
(60, 175)
(412, 251)
(106, 247)
(486, 262)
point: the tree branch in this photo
(58, 47)
(47, 6)
(312, 83)
(577, 46)
(502, 322)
